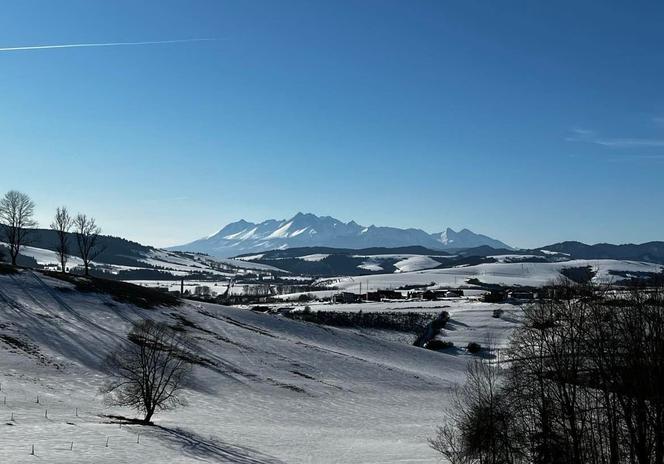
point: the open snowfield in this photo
(276, 390)
(505, 273)
(470, 319)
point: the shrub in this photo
(437, 344)
(122, 292)
(6, 269)
(261, 309)
(474, 348)
(393, 320)
(497, 313)
(439, 323)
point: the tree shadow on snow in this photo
(195, 446)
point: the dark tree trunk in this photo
(148, 417)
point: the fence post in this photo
(32, 453)
(106, 442)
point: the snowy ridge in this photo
(177, 264)
(533, 274)
(304, 230)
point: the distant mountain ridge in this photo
(652, 252)
(309, 230)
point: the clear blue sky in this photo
(533, 122)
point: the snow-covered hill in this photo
(274, 390)
(502, 272)
(307, 230)
(147, 262)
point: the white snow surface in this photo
(314, 257)
(416, 263)
(276, 390)
(524, 274)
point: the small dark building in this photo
(381, 295)
(347, 297)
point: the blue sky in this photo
(533, 122)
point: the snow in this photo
(371, 265)
(301, 231)
(281, 232)
(416, 263)
(250, 258)
(524, 274)
(245, 264)
(513, 258)
(314, 257)
(46, 257)
(177, 264)
(277, 390)
(549, 252)
(243, 234)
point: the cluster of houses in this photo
(261, 294)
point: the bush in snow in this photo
(437, 344)
(405, 322)
(474, 348)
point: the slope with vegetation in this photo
(264, 388)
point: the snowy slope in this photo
(175, 263)
(307, 230)
(504, 273)
(276, 390)
(416, 263)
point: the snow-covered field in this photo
(470, 319)
(504, 273)
(177, 264)
(277, 390)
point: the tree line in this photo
(392, 320)
(584, 383)
(17, 217)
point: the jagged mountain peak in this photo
(307, 229)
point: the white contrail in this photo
(103, 44)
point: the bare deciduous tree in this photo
(16, 213)
(62, 223)
(150, 370)
(584, 384)
(87, 238)
(480, 427)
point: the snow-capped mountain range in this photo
(306, 230)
